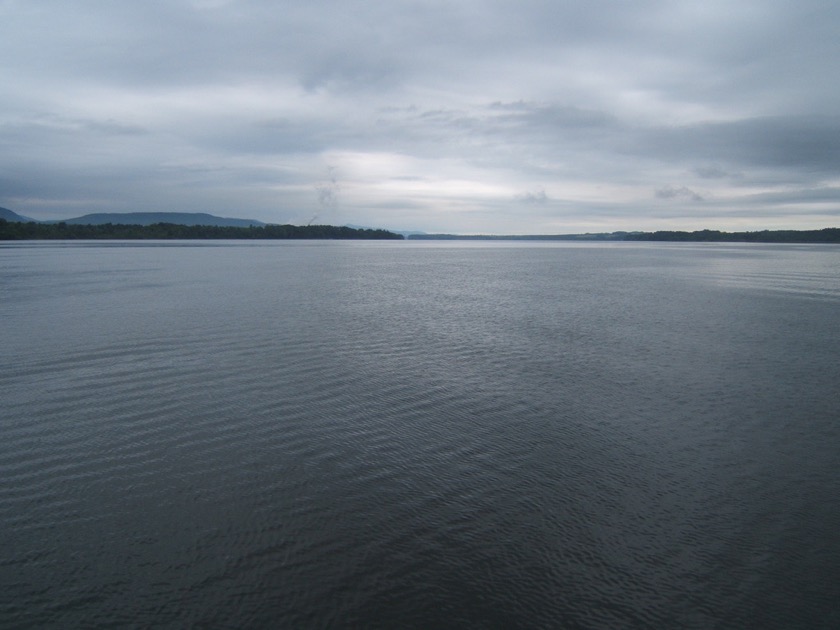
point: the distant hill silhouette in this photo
(139, 218)
(10, 215)
(150, 218)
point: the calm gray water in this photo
(418, 435)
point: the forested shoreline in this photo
(826, 235)
(14, 231)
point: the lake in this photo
(309, 434)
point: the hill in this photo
(10, 215)
(150, 218)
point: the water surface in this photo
(419, 434)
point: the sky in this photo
(462, 116)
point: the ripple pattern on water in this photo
(363, 435)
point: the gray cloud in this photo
(538, 197)
(789, 142)
(671, 192)
(711, 172)
(328, 190)
(438, 116)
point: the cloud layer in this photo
(477, 116)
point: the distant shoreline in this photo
(14, 230)
(825, 235)
(17, 231)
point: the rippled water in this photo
(419, 434)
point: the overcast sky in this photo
(471, 116)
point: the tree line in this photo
(11, 231)
(826, 235)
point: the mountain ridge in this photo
(11, 215)
(150, 218)
(138, 218)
